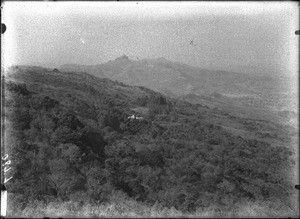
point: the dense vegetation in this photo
(70, 139)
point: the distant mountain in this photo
(94, 70)
(252, 95)
(174, 78)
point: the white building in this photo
(135, 117)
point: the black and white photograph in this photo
(150, 109)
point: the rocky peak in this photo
(123, 57)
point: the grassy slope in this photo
(121, 206)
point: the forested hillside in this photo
(70, 139)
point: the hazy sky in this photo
(224, 35)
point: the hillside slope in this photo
(70, 138)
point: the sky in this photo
(215, 35)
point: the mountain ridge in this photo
(162, 74)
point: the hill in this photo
(70, 139)
(263, 95)
(162, 74)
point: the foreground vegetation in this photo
(121, 206)
(73, 147)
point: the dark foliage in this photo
(173, 156)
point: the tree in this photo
(65, 170)
(112, 118)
